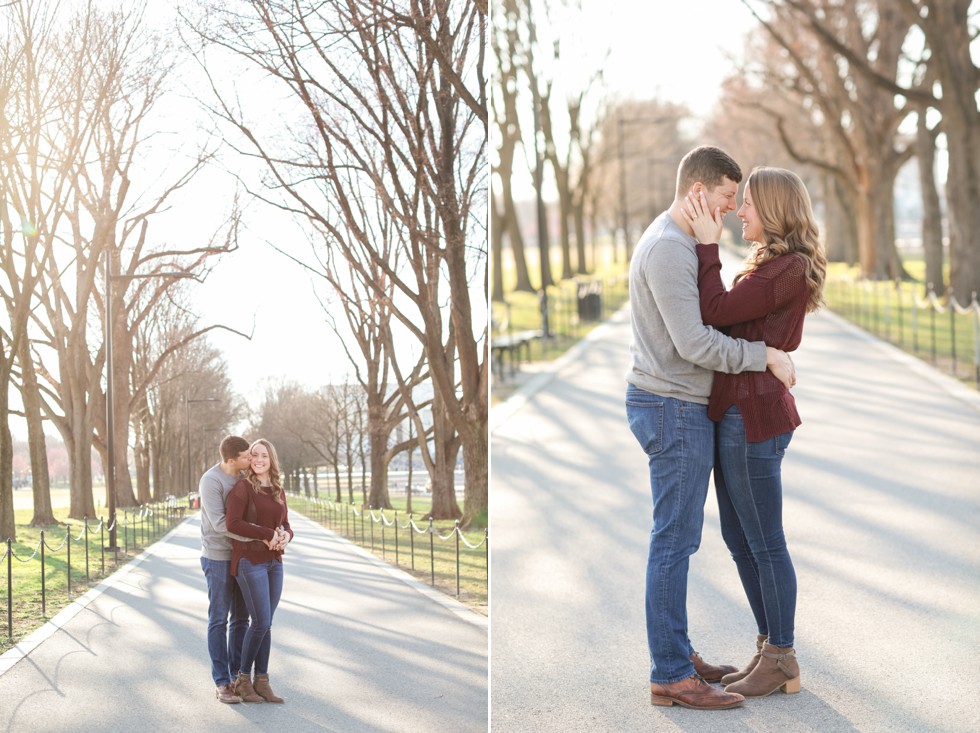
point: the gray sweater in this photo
(673, 353)
(214, 489)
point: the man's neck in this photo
(229, 469)
(675, 214)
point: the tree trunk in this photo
(561, 177)
(41, 482)
(515, 237)
(948, 35)
(442, 464)
(475, 499)
(496, 250)
(7, 526)
(839, 228)
(932, 219)
(565, 209)
(378, 497)
(889, 264)
(867, 249)
(141, 457)
(510, 136)
(122, 360)
(578, 213)
(962, 195)
(78, 440)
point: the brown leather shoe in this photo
(244, 689)
(777, 669)
(711, 672)
(694, 693)
(263, 689)
(225, 694)
(744, 672)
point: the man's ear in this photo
(697, 188)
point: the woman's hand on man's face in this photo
(707, 224)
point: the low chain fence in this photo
(58, 574)
(940, 329)
(438, 551)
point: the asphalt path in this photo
(357, 647)
(882, 516)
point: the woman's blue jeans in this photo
(679, 441)
(750, 502)
(261, 585)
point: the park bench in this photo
(508, 349)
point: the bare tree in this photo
(852, 124)
(507, 128)
(382, 127)
(564, 125)
(639, 144)
(110, 74)
(175, 370)
(27, 220)
(338, 439)
(369, 314)
(932, 218)
(949, 30)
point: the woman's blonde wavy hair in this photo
(788, 226)
(274, 471)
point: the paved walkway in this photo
(882, 512)
(355, 649)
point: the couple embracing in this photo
(709, 390)
(244, 530)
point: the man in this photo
(224, 596)
(674, 356)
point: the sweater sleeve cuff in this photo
(760, 359)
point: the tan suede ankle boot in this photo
(263, 689)
(777, 668)
(744, 672)
(244, 689)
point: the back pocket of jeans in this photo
(646, 419)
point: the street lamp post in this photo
(187, 435)
(110, 473)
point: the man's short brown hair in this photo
(706, 164)
(232, 446)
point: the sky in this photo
(673, 50)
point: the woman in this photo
(257, 508)
(780, 282)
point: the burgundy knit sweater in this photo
(769, 305)
(269, 514)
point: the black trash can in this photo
(589, 300)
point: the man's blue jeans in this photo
(261, 585)
(224, 640)
(679, 440)
(750, 503)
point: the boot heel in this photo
(792, 686)
(658, 700)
